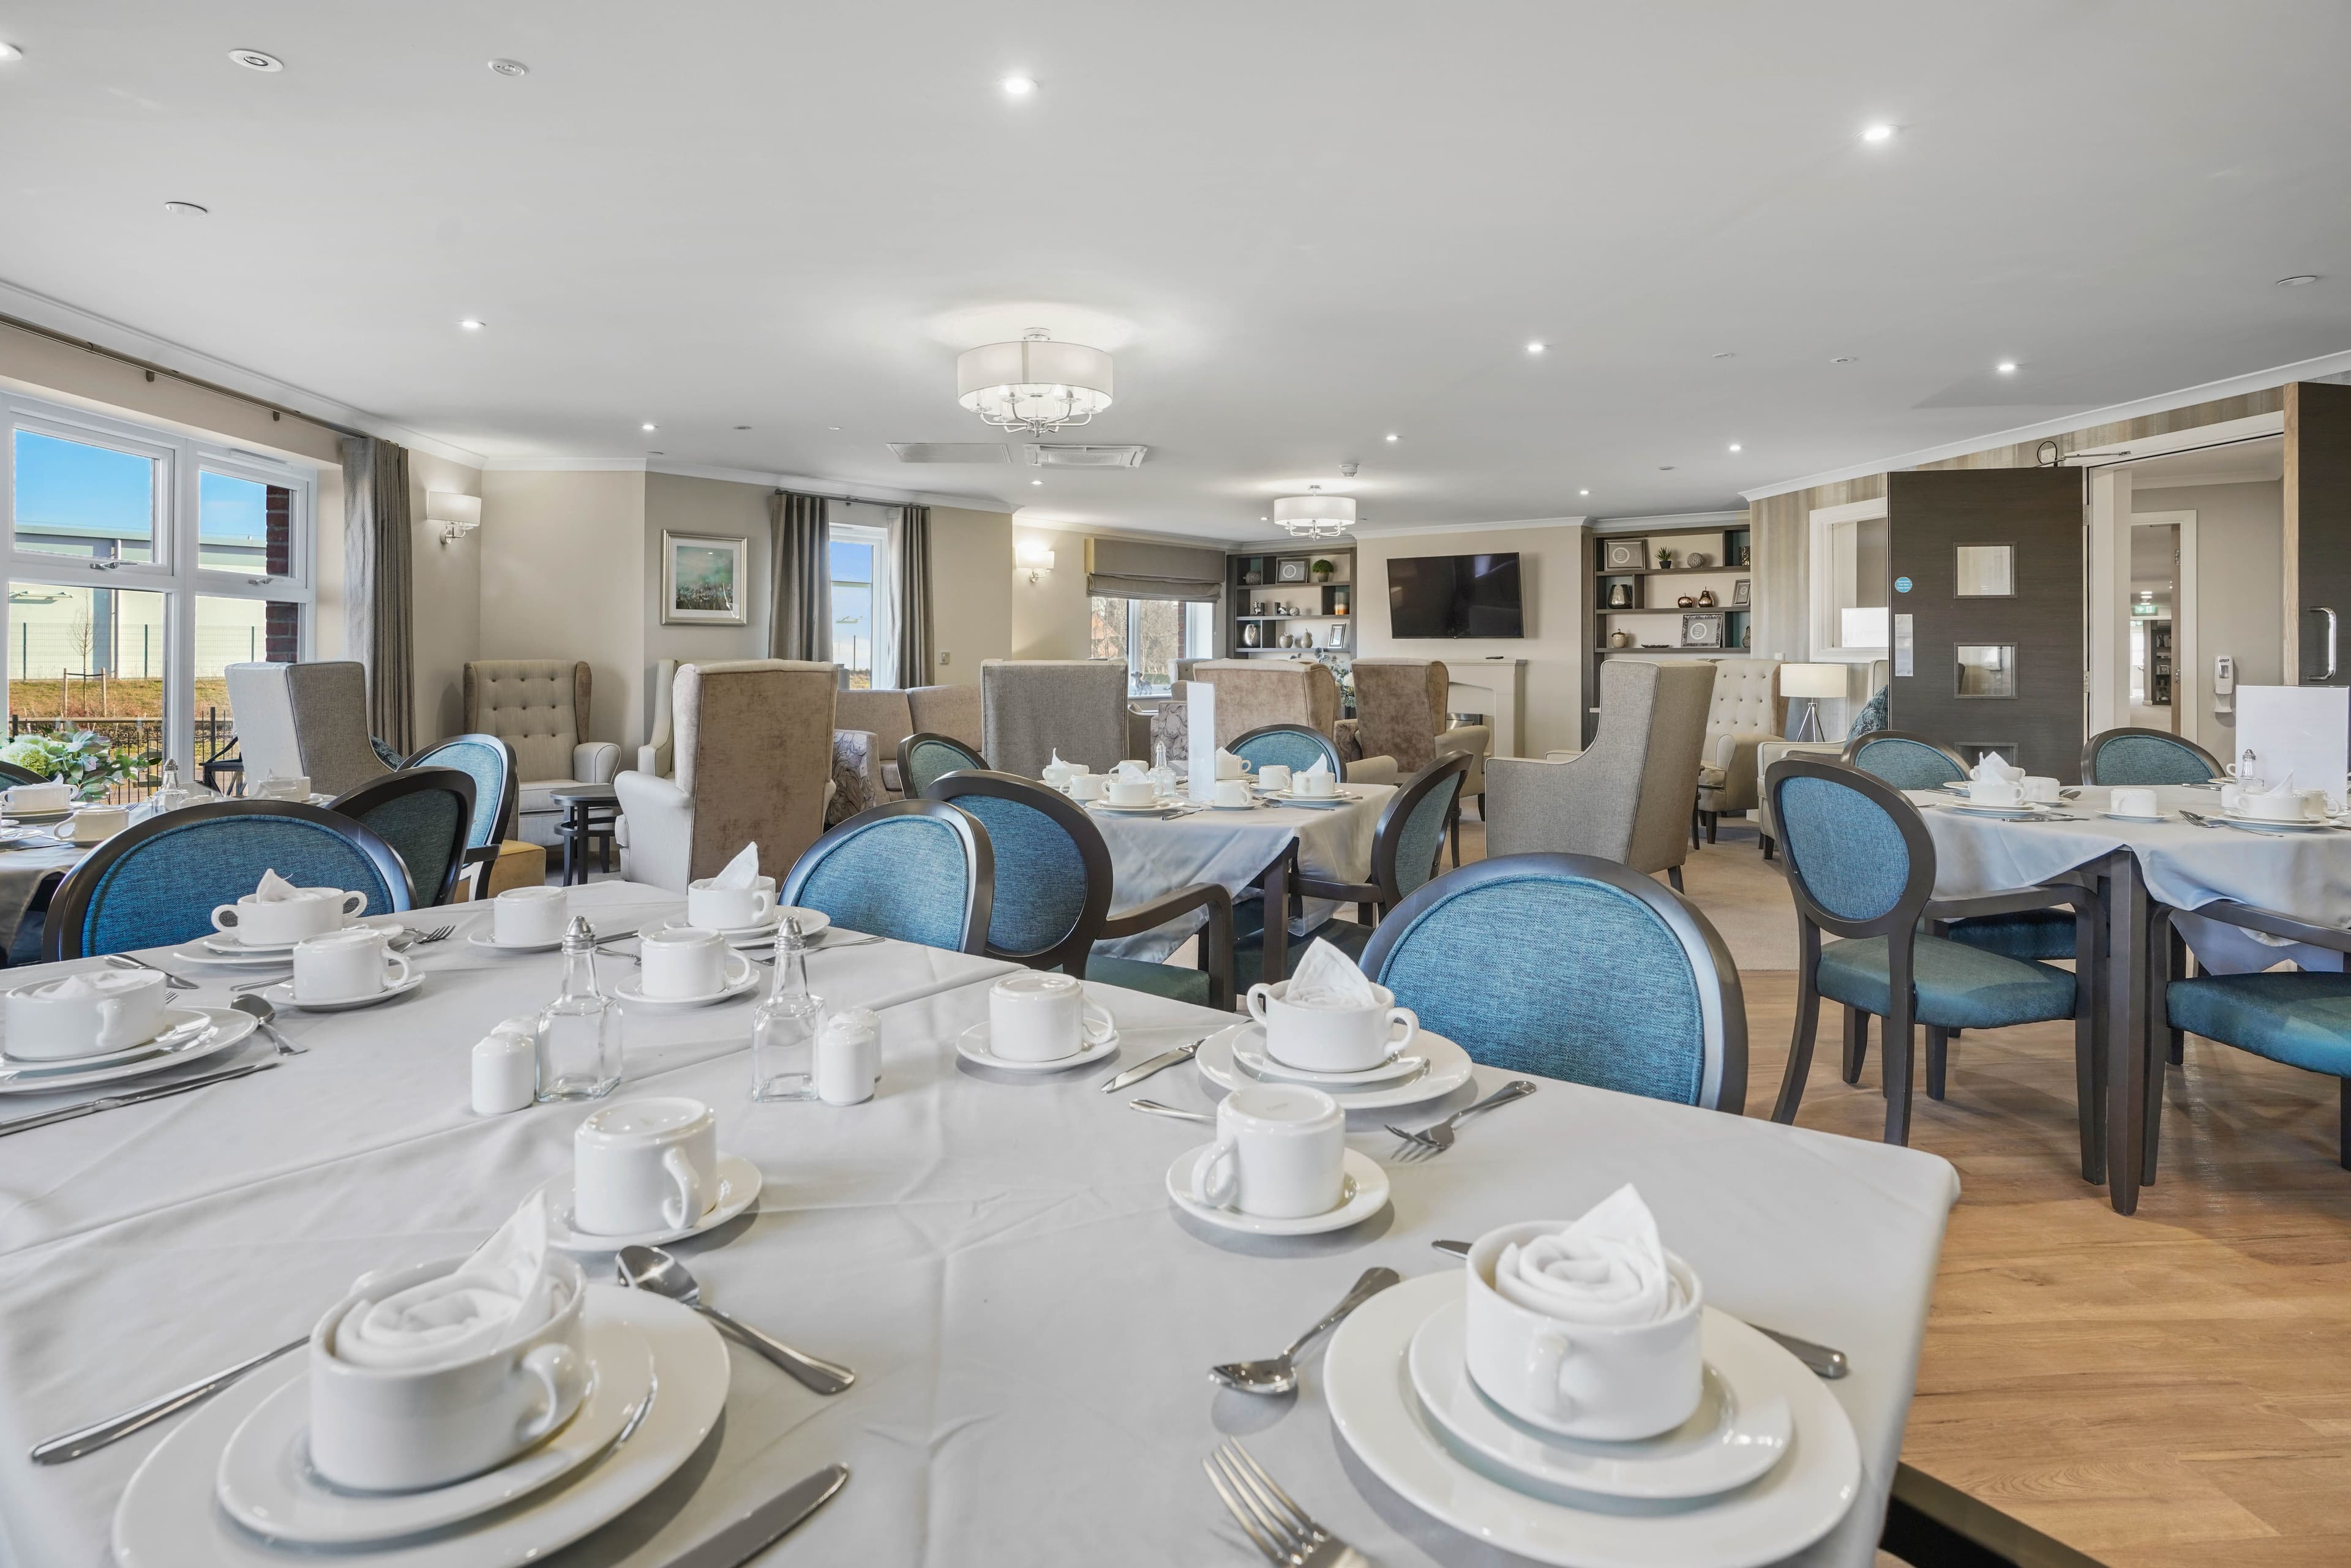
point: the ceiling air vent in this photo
(1059, 455)
(951, 451)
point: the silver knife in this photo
(766, 1523)
(1819, 1359)
(1159, 1063)
(114, 1101)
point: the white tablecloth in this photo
(2306, 875)
(1154, 857)
(25, 865)
(1030, 1318)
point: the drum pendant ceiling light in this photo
(1033, 385)
(1315, 516)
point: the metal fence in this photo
(135, 737)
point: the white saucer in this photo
(266, 1483)
(1364, 1192)
(2008, 813)
(1321, 802)
(738, 1189)
(1729, 1441)
(638, 1001)
(1249, 1049)
(1449, 1067)
(221, 1027)
(489, 943)
(812, 921)
(2273, 825)
(2133, 816)
(1131, 811)
(223, 944)
(167, 1517)
(282, 994)
(1794, 1504)
(972, 1046)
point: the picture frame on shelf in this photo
(1624, 554)
(1740, 590)
(1702, 629)
(1336, 637)
(701, 580)
(1293, 571)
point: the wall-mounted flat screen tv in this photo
(1455, 596)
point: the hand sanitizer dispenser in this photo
(2225, 684)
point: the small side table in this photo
(589, 812)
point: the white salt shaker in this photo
(849, 1057)
(505, 1068)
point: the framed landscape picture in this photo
(701, 580)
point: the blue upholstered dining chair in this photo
(917, 870)
(1574, 967)
(2300, 1017)
(1297, 746)
(1053, 888)
(158, 882)
(2146, 756)
(1905, 761)
(491, 763)
(1861, 865)
(923, 758)
(424, 814)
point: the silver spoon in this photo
(258, 1009)
(1280, 1375)
(650, 1268)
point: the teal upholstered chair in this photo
(158, 883)
(2146, 756)
(1905, 761)
(915, 871)
(1574, 967)
(423, 813)
(924, 758)
(490, 762)
(1297, 746)
(1861, 865)
(1053, 885)
(2300, 1017)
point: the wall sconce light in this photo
(1034, 560)
(458, 515)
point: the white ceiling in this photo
(1299, 226)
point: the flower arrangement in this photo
(81, 757)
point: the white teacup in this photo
(1609, 1381)
(1314, 785)
(2040, 790)
(1088, 786)
(529, 917)
(730, 908)
(1279, 1153)
(280, 923)
(1039, 1015)
(645, 1165)
(2132, 802)
(297, 788)
(127, 1010)
(1233, 793)
(1133, 792)
(1231, 766)
(1058, 774)
(688, 961)
(94, 825)
(1996, 791)
(2274, 807)
(1331, 1039)
(376, 1428)
(1273, 776)
(347, 966)
(39, 797)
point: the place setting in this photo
(1278, 1165)
(262, 929)
(645, 1173)
(97, 1028)
(1039, 1022)
(525, 920)
(353, 966)
(2259, 807)
(1316, 787)
(1329, 1028)
(1999, 790)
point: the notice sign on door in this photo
(1902, 647)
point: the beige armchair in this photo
(869, 725)
(1033, 708)
(1401, 712)
(1254, 693)
(540, 706)
(1748, 711)
(752, 740)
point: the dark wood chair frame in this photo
(2271, 922)
(2091, 747)
(12, 774)
(1374, 899)
(907, 749)
(977, 854)
(483, 855)
(1852, 748)
(1330, 747)
(70, 907)
(1096, 922)
(357, 802)
(1917, 903)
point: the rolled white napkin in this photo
(1606, 1268)
(1322, 766)
(1132, 770)
(741, 871)
(502, 1291)
(1326, 978)
(275, 889)
(106, 983)
(1990, 769)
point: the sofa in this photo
(1747, 712)
(541, 708)
(1254, 693)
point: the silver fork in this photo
(427, 939)
(171, 982)
(1265, 1513)
(1430, 1142)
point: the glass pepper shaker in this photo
(579, 1045)
(784, 1030)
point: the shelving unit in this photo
(1319, 608)
(1650, 614)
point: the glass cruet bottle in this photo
(579, 1050)
(784, 1030)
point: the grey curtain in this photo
(915, 596)
(800, 620)
(380, 585)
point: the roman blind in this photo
(1128, 569)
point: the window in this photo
(1849, 583)
(204, 554)
(1151, 635)
(864, 637)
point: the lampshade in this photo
(1815, 681)
(458, 515)
(1318, 515)
(1033, 558)
(1033, 385)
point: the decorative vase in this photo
(1249, 638)
(1620, 596)
(1706, 599)
(1686, 602)
(1620, 639)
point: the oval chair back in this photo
(491, 763)
(1296, 747)
(1905, 761)
(917, 870)
(1574, 967)
(12, 774)
(1411, 833)
(924, 757)
(1859, 859)
(425, 813)
(157, 883)
(1053, 871)
(2146, 756)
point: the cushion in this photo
(1872, 716)
(1157, 979)
(2302, 1020)
(2029, 933)
(1710, 777)
(1958, 987)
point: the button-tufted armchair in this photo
(1748, 710)
(540, 706)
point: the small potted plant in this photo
(1664, 559)
(1322, 570)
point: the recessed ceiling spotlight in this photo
(1726, 354)
(11, 52)
(2006, 367)
(1845, 358)
(1584, 492)
(2297, 281)
(1665, 467)
(1265, 520)
(1534, 348)
(470, 325)
(1734, 446)
(832, 427)
(1391, 437)
(1878, 133)
(507, 68)
(255, 61)
(1036, 481)
(1018, 86)
(186, 209)
(644, 428)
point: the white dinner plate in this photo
(1362, 1192)
(1131, 811)
(2006, 813)
(267, 1484)
(738, 1189)
(1741, 1429)
(972, 1046)
(1249, 1049)
(1449, 1067)
(167, 1517)
(2132, 817)
(281, 995)
(636, 1000)
(203, 956)
(2271, 825)
(812, 922)
(223, 944)
(490, 944)
(1319, 802)
(1368, 1386)
(220, 1029)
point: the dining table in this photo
(995, 1255)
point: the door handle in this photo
(2332, 626)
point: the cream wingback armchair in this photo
(752, 741)
(304, 720)
(1401, 712)
(1254, 693)
(540, 706)
(1748, 711)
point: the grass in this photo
(114, 698)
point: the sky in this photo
(89, 488)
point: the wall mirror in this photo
(1987, 669)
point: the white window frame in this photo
(1826, 632)
(1184, 607)
(880, 596)
(176, 572)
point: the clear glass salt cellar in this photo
(784, 1030)
(579, 1045)
(1164, 778)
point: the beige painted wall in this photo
(2239, 577)
(1551, 562)
(446, 627)
(972, 598)
(561, 577)
(1049, 616)
(723, 508)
